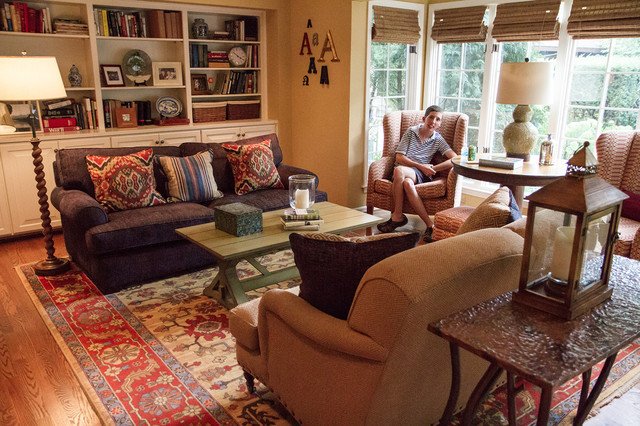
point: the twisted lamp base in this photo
(51, 265)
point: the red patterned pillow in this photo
(124, 182)
(253, 166)
(631, 206)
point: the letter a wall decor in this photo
(306, 49)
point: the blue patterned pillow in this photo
(190, 178)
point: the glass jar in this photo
(302, 191)
(200, 29)
(546, 152)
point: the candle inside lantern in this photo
(562, 248)
(302, 199)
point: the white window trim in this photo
(414, 66)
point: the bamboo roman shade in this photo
(527, 21)
(462, 25)
(598, 19)
(392, 25)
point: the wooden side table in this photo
(543, 349)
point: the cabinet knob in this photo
(243, 135)
(157, 142)
(161, 141)
(238, 134)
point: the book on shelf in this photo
(301, 214)
(509, 163)
(61, 129)
(311, 227)
(59, 121)
(58, 103)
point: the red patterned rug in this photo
(161, 354)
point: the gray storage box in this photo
(238, 219)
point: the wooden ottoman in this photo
(447, 222)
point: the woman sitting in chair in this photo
(413, 157)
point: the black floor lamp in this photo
(35, 78)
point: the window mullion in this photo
(605, 89)
(489, 82)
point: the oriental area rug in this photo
(161, 353)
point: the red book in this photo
(59, 121)
(31, 17)
(60, 129)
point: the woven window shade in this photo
(598, 19)
(463, 25)
(527, 21)
(392, 25)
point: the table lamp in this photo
(523, 83)
(35, 78)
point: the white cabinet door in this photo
(145, 139)
(20, 180)
(176, 138)
(231, 134)
(85, 143)
(5, 216)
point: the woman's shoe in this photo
(391, 225)
(427, 237)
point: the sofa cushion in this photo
(124, 182)
(253, 166)
(331, 266)
(497, 210)
(190, 178)
(70, 167)
(631, 206)
(144, 227)
(265, 200)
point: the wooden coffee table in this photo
(229, 249)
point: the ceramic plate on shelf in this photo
(137, 66)
(168, 106)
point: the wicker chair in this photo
(618, 164)
(437, 195)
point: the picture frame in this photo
(167, 73)
(126, 117)
(111, 75)
(199, 85)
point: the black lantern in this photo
(572, 225)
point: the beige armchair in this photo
(381, 366)
(437, 195)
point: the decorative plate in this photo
(168, 106)
(137, 66)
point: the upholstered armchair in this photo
(619, 164)
(380, 366)
(437, 195)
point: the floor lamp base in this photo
(53, 266)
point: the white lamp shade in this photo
(30, 78)
(525, 83)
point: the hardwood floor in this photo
(37, 385)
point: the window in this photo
(605, 90)
(395, 58)
(460, 79)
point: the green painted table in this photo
(229, 250)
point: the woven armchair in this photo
(438, 194)
(618, 164)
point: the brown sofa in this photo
(380, 366)
(122, 248)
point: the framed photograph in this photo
(167, 73)
(112, 75)
(199, 85)
(126, 117)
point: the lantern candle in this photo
(302, 199)
(562, 249)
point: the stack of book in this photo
(301, 220)
(61, 115)
(509, 163)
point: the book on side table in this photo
(510, 163)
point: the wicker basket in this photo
(243, 110)
(209, 111)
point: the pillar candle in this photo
(302, 199)
(562, 248)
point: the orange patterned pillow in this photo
(124, 182)
(253, 167)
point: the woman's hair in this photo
(431, 109)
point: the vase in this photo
(199, 28)
(302, 191)
(75, 78)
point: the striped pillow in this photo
(190, 178)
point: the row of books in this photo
(152, 24)
(19, 17)
(112, 108)
(60, 115)
(242, 29)
(235, 82)
(301, 220)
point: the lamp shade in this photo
(525, 83)
(30, 78)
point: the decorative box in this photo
(238, 219)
